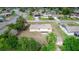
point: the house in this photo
(45, 15)
(40, 28)
(70, 29)
(5, 14)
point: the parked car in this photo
(2, 19)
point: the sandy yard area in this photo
(35, 35)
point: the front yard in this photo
(73, 24)
(47, 18)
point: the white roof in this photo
(73, 28)
(40, 26)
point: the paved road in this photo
(21, 13)
(5, 23)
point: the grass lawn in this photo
(44, 18)
(30, 17)
(40, 22)
(68, 18)
(73, 24)
(49, 18)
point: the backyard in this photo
(39, 37)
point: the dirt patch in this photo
(35, 35)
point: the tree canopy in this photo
(67, 11)
(20, 25)
(51, 39)
(9, 42)
(71, 43)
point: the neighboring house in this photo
(72, 29)
(40, 28)
(37, 17)
(5, 14)
(45, 15)
(75, 14)
(69, 30)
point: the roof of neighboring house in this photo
(5, 13)
(42, 26)
(72, 28)
(77, 33)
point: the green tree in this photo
(13, 13)
(22, 9)
(51, 38)
(48, 47)
(28, 44)
(11, 26)
(67, 11)
(8, 41)
(51, 46)
(20, 24)
(71, 43)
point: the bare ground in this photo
(35, 35)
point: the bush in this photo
(51, 38)
(28, 44)
(49, 47)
